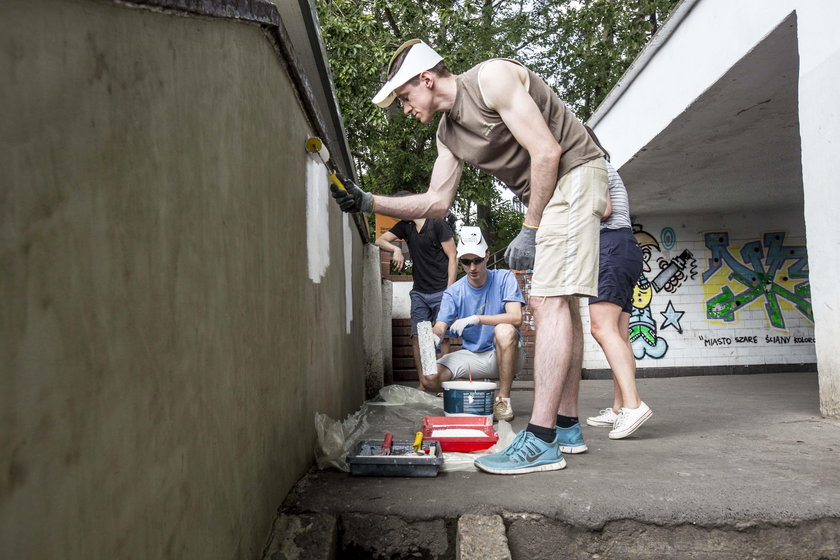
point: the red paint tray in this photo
(481, 437)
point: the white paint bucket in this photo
(468, 398)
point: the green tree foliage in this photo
(581, 47)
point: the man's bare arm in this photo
(435, 202)
(512, 316)
(384, 243)
(452, 268)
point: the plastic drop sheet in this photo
(399, 410)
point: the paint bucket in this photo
(468, 398)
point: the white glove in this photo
(436, 338)
(461, 324)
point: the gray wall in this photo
(163, 352)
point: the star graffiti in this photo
(672, 317)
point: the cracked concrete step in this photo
(481, 537)
(302, 537)
(534, 537)
(316, 537)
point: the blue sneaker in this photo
(526, 453)
(571, 439)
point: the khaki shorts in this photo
(566, 263)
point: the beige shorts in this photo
(566, 263)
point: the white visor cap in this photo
(471, 242)
(420, 58)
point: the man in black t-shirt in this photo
(432, 248)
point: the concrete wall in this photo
(703, 316)
(164, 350)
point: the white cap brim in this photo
(420, 58)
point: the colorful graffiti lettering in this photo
(764, 274)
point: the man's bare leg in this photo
(434, 383)
(571, 387)
(553, 351)
(505, 339)
(415, 350)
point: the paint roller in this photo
(426, 345)
(314, 145)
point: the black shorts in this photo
(619, 267)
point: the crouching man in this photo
(484, 308)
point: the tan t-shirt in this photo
(476, 134)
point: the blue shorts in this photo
(619, 267)
(424, 307)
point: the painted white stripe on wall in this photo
(317, 220)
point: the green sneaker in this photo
(527, 453)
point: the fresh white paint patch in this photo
(317, 220)
(348, 271)
(458, 432)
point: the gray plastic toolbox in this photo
(365, 459)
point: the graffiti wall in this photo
(737, 294)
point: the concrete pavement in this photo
(745, 457)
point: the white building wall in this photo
(711, 37)
(750, 336)
(819, 125)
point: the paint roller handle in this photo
(386, 444)
(350, 199)
(418, 442)
(336, 181)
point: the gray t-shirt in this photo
(620, 217)
(476, 134)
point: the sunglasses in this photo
(468, 262)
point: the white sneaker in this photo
(605, 419)
(629, 420)
(502, 410)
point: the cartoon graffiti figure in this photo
(643, 335)
(674, 272)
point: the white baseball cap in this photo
(420, 58)
(471, 242)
